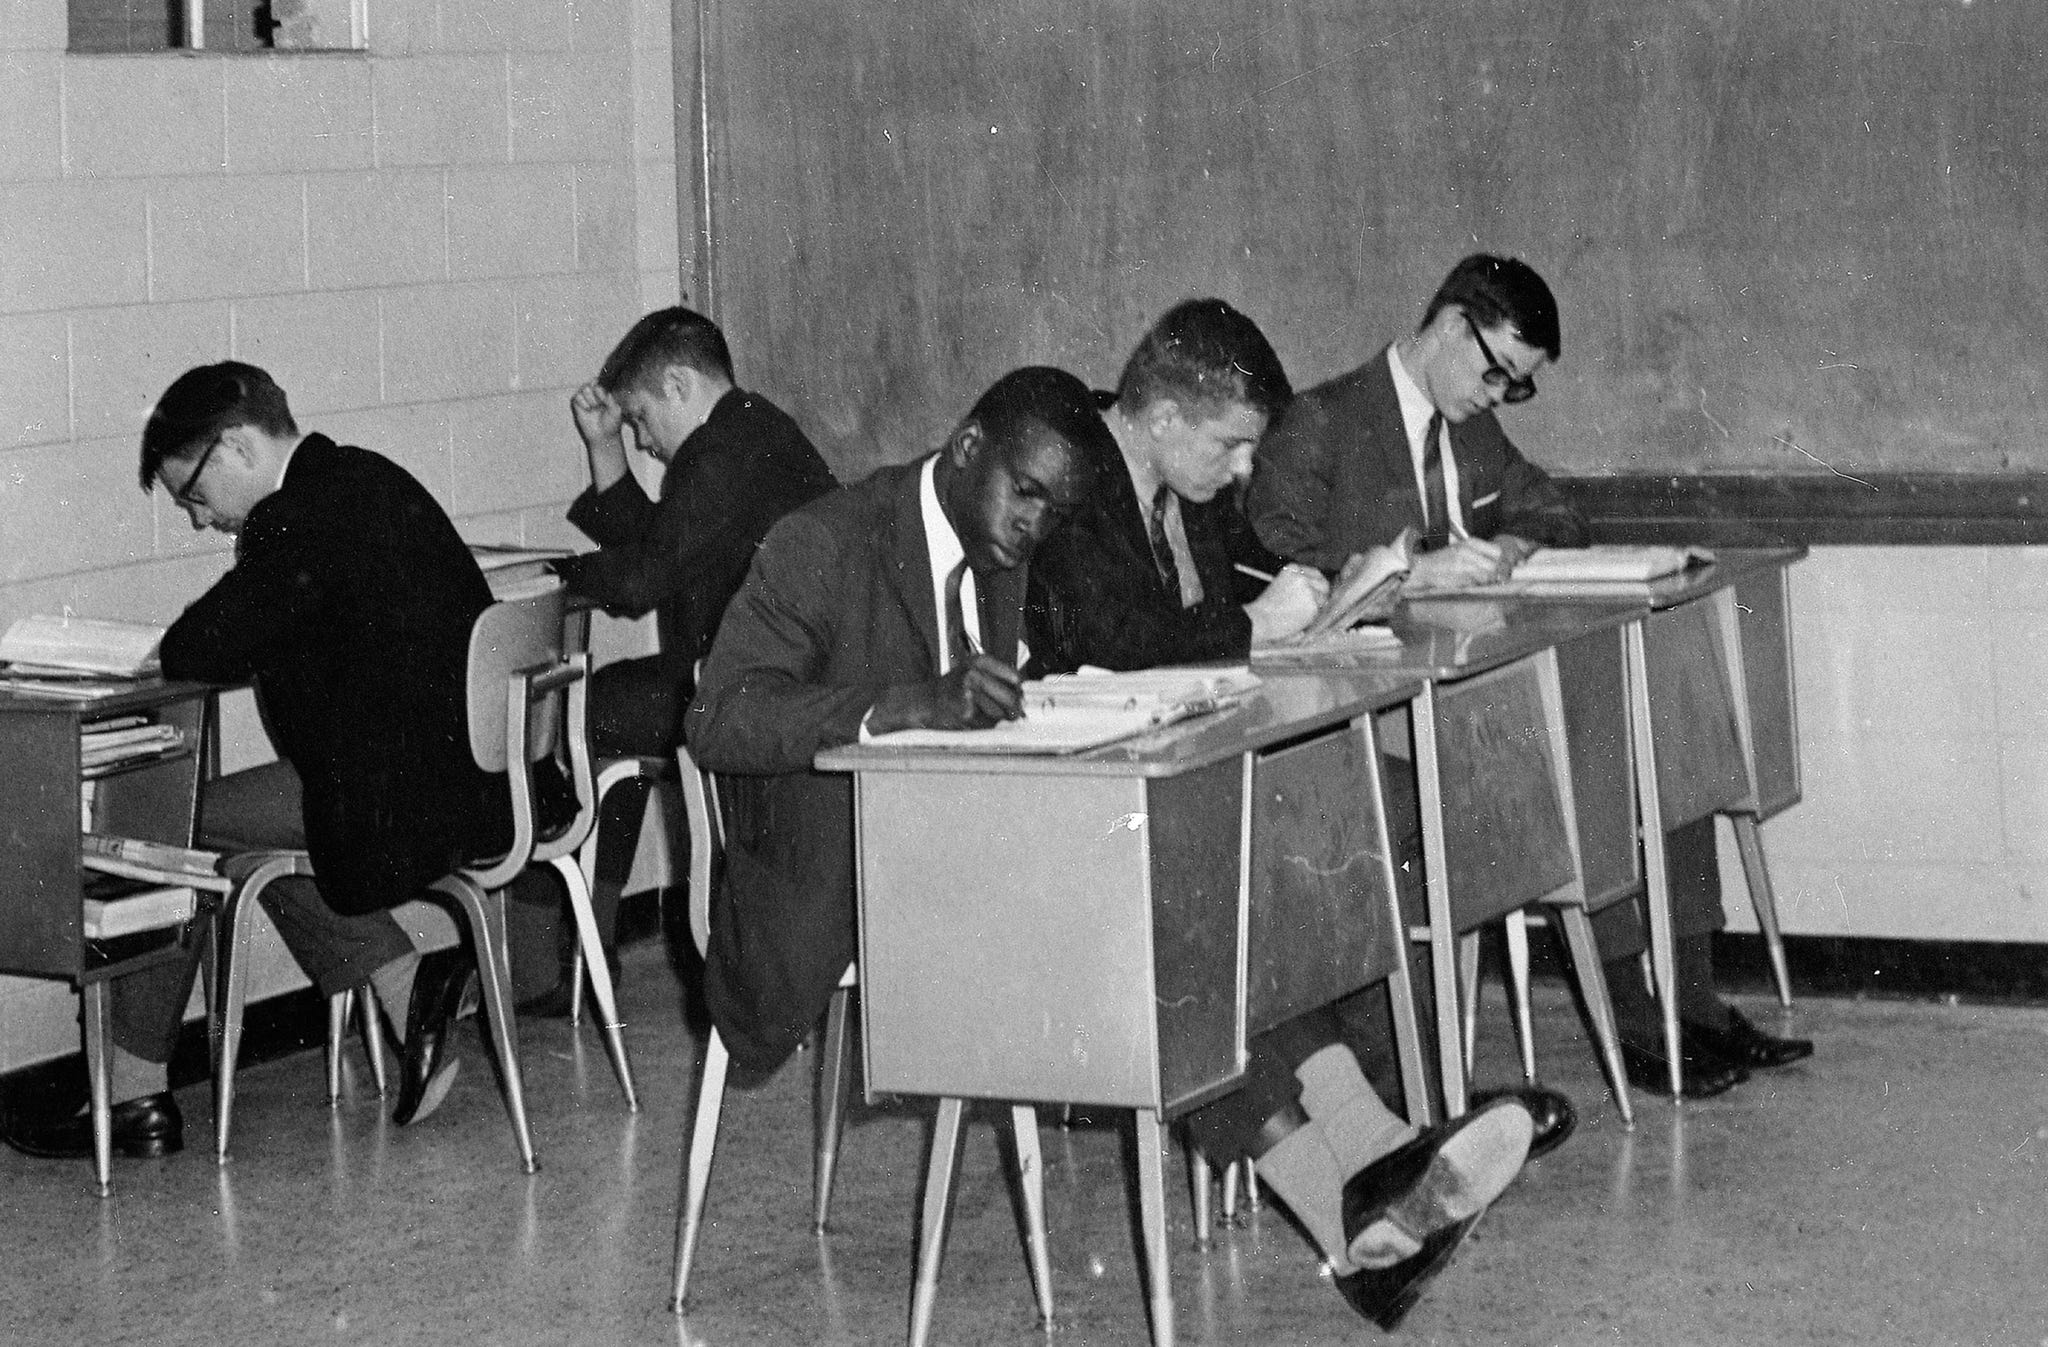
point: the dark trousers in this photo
(1623, 929)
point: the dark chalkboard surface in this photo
(1787, 238)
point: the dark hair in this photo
(1204, 354)
(1494, 290)
(664, 338)
(205, 401)
(1039, 395)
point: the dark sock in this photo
(1698, 1002)
(1635, 1010)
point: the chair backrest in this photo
(707, 839)
(526, 700)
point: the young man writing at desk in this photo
(349, 606)
(1410, 439)
(1147, 572)
(734, 464)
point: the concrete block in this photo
(607, 212)
(72, 507)
(383, 228)
(654, 103)
(602, 26)
(125, 116)
(448, 341)
(571, 107)
(654, 211)
(31, 108)
(322, 347)
(442, 110)
(567, 325)
(516, 26)
(659, 289)
(35, 397)
(123, 358)
(73, 244)
(516, 451)
(32, 25)
(215, 236)
(299, 114)
(513, 220)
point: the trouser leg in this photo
(1622, 932)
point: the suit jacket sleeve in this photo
(762, 704)
(261, 610)
(647, 551)
(1528, 505)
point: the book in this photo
(162, 858)
(1365, 593)
(43, 647)
(135, 743)
(1330, 645)
(118, 906)
(1071, 713)
(1604, 570)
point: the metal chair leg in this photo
(587, 943)
(486, 913)
(697, 1165)
(834, 1073)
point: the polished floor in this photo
(1894, 1190)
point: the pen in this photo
(1254, 572)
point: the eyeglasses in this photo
(183, 495)
(1513, 388)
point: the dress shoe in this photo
(1552, 1113)
(429, 1065)
(145, 1127)
(554, 1003)
(1703, 1073)
(1385, 1295)
(1743, 1043)
(1441, 1176)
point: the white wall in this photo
(429, 244)
(1924, 724)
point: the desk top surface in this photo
(1287, 703)
(141, 695)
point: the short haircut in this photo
(665, 338)
(1039, 395)
(1205, 355)
(1494, 290)
(206, 401)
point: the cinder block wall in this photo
(430, 244)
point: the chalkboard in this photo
(1798, 238)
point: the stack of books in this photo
(76, 658)
(118, 741)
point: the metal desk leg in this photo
(1031, 1178)
(1656, 876)
(938, 1196)
(1152, 1211)
(96, 997)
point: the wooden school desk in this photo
(1111, 928)
(42, 931)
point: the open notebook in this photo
(1605, 570)
(46, 646)
(1069, 713)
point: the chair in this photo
(525, 698)
(707, 837)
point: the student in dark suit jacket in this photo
(735, 463)
(349, 605)
(839, 631)
(1145, 574)
(1410, 439)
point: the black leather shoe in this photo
(143, 1128)
(1703, 1073)
(1743, 1043)
(1385, 1295)
(428, 1067)
(1445, 1174)
(1551, 1112)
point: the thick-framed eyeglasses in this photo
(1513, 388)
(183, 495)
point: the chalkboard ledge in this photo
(1874, 508)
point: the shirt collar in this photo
(1416, 408)
(942, 545)
(286, 466)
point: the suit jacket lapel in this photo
(1398, 462)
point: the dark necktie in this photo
(1435, 511)
(959, 651)
(1162, 547)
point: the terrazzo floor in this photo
(1892, 1191)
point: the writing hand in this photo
(1288, 604)
(980, 693)
(1463, 563)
